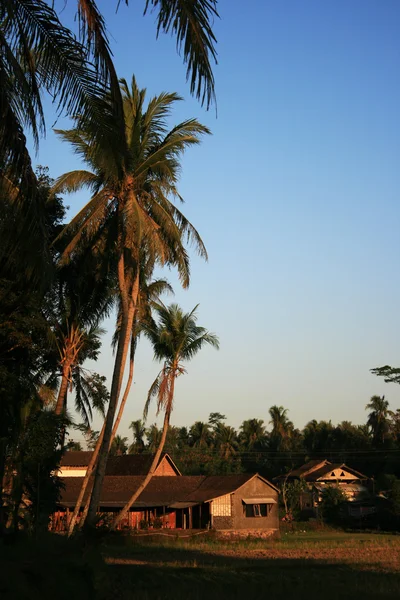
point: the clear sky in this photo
(296, 196)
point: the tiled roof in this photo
(128, 464)
(161, 491)
(75, 458)
(311, 465)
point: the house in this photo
(228, 502)
(75, 463)
(320, 473)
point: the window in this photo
(257, 510)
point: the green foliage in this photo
(332, 499)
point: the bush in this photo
(333, 499)
(157, 523)
(143, 524)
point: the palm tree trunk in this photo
(119, 367)
(62, 393)
(85, 482)
(126, 393)
(154, 464)
(95, 454)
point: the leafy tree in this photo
(175, 338)
(333, 497)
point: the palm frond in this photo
(191, 22)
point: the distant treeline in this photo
(273, 447)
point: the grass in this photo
(323, 565)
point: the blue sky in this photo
(295, 195)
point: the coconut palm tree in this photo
(252, 434)
(378, 418)
(226, 440)
(119, 446)
(134, 179)
(281, 427)
(139, 431)
(200, 435)
(176, 338)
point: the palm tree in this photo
(378, 418)
(175, 338)
(281, 427)
(119, 446)
(139, 431)
(134, 176)
(200, 435)
(252, 435)
(226, 440)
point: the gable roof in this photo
(308, 467)
(127, 464)
(329, 468)
(161, 491)
(135, 464)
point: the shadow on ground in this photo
(146, 572)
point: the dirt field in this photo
(302, 565)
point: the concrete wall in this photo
(72, 472)
(253, 489)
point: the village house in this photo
(320, 473)
(243, 502)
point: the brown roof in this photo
(308, 467)
(135, 464)
(128, 464)
(76, 458)
(161, 491)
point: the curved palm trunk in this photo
(126, 393)
(93, 460)
(154, 464)
(85, 482)
(119, 367)
(62, 393)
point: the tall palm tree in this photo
(175, 338)
(378, 418)
(148, 293)
(134, 179)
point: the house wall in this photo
(253, 489)
(337, 475)
(72, 472)
(165, 469)
(238, 520)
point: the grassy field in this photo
(319, 565)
